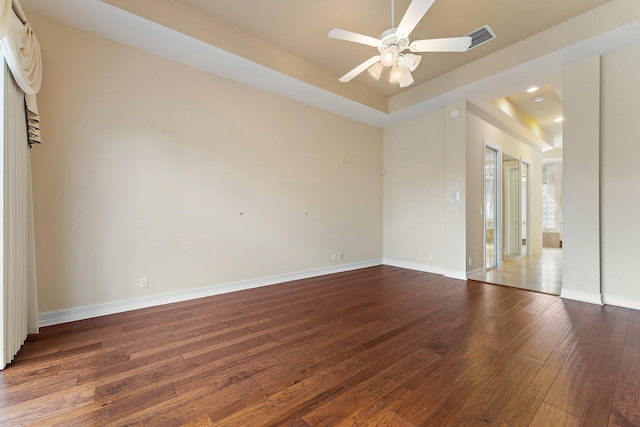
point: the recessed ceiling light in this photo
(533, 89)
(538, 99)
(558, 119)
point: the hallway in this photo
(540, 273)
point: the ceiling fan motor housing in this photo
(391, 44)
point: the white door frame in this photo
(497, 226)
(513, 238)
(527, 215)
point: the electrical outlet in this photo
(334, 257)
(470, 261)
(144, 282)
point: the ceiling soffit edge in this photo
(420, 100)
(511, 127)
(522, 118)
(211, 30)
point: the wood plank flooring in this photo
(371, 347)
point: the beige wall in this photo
(414, 160)
(620, 151)
(456, 172)
(600, 190)
(424, 158)
(581, 180)
(151, 168)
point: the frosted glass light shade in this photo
(375, 70)
(396, 74)
(412, 61)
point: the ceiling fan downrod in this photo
(393, 8)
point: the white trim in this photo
(508, 209)
(497, 225)
(474, 272)
(414, 266)
(526, 161)
(86, 312)
(460, 275)
(619, 301)
(589, 297)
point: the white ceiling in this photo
(282, 46)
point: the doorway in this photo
(507, 215)
(525, 229)
(516, 206)
(491, 207)
(511, 206)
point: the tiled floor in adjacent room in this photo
(537, 273)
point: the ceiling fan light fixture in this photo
(375, 70)
(389, 56)
(396, 74)
(412, 61)
(392, 42)
(407, 78)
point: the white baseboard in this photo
(414, 266)
(460, 275)
(474, 272)
(601, 299)
(581, 296)
(86, 312)
(619, 301)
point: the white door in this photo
(491, 207)
(525, 195)
(512, 207)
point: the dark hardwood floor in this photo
(372, 347)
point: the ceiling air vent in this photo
(480, 36)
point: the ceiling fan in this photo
(393, 42)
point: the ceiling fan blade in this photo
(407, 78)
(453, 44)
(413, 15)
(349, 36)
(359, 69)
